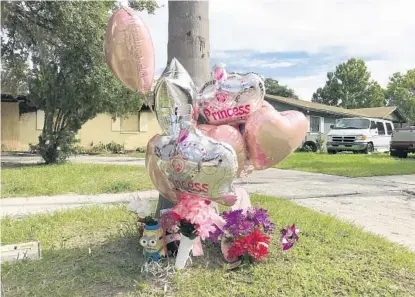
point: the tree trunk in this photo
(189, 42)
(189, 38)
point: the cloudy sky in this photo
(298, 41)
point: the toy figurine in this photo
(152, 242)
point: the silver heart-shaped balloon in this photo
(174, 89)
(196, 164)
(230, 98)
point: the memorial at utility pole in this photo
(194, 166)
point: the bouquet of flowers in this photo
(246, 234)
(195, 219)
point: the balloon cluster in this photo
(243, 131)
(193, 165)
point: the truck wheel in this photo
(311, 145)
(369, 149)
(331, 152)
(356, 152)
(402, 154)
(393, 154)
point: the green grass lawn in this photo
(349, 164)
(95, 252)
(72, 178)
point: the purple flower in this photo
(289, 236)
(260, 217)
(214, 236)
(237, 223)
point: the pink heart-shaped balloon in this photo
(231, 136)
(232, 99)
(271, 136)
(156, 175)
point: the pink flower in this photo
(198, 211)
(289, 236)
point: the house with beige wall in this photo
(22, 125)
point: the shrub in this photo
(141, 150)
(305, 148)
(34, 148)
(114, 147)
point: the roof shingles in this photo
(375, 112)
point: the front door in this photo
(381, 142)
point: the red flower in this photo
(254, 245)
(175, 216)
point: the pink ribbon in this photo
(197, 250)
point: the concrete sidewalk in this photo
(12, 160)
(33, 205)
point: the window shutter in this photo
(40, 119)
(322, 124)
(309, 123)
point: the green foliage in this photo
(69, 79)
(350, 87)
(320, 141)
(187, 229)
(141, 150)
(349, 164)
(83, 179)
(150, 221)
(272, 87)
(304, 149)
(401, 93)
(34, 148)
(114, 147)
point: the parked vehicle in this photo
(402, 142)
(359, 135)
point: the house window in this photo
(315, 124)
(130, 124)
(389, 128)
(381, 128)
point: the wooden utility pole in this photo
(189, 42)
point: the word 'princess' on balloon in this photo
(196, 164)
(230, 98)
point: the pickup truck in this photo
(402, 142)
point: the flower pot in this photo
(183, 253)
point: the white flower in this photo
(142, 207)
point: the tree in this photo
(272, 87)
(68, 79)
(189, 43)
(401, 93)
(350, 87)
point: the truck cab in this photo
(359, 135)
